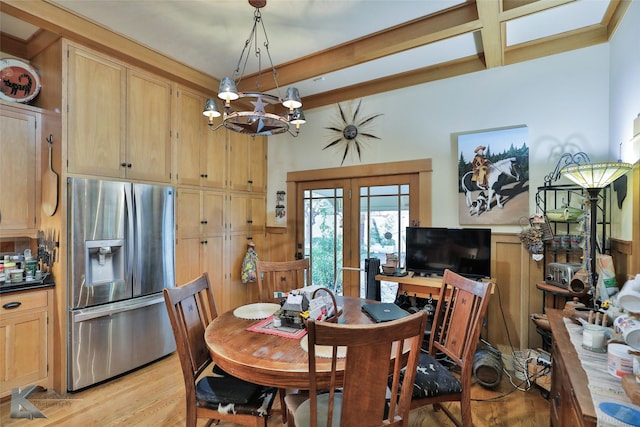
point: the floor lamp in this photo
(594, 177)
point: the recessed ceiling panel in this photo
(571, 16)
(17, 28)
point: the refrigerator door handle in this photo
(129, 211)
(85, 314)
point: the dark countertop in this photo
(9, 287)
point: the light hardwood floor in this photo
(152, 396)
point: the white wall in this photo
(625, 106)
(563, 99)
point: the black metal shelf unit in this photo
(562, 249)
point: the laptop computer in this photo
(384, 312)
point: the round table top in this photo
(270, 359)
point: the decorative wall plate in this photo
(19, 81)
(351, 131)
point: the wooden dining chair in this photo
(216, 395)
(369, 395)
(281, 276)
(455, 333)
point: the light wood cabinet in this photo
(26, 338)
(148, 145)
(247, 163)
(96, 114)
(247, 213)
(200, 238)
(19, 170)
(119, 120)
(242, 293)
(200, 152)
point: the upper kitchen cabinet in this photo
(247, 163)
(148, 145)
(20, 127)
(119, 120)
(96, 114)
(200, 152)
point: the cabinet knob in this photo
(250, 182)
(204, 242)
(204, 221)
(249, 221)
(10, 305)
(203, 175)
(124, 165)
(128, 165)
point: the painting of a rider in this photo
(480, 166)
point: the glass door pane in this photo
(384, 216)
(323, 234)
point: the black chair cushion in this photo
(433, 379)
(229, 394)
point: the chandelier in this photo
(257, 121)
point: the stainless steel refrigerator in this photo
(121, 256)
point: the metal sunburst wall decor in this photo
(352, 132)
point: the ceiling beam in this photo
(491, 32)
(577, 39)
(398, 81)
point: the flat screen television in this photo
(466, 251)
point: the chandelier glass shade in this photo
(263, 118)
(595, 175)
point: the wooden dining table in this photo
(272, 360)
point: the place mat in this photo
(266, 327)
(324, 351)
(256, 311)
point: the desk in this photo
(268, 359)
(420, 286)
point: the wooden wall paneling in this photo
(49, 62)
(622, 254)
(514, 296)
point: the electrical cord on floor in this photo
(518, 387)
(528, 380)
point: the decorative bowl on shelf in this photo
(568, 214)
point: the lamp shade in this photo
(595, 175)
(292, 100)
(297, 117)
(211, 108)
(228, 90)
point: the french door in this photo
(342, 222)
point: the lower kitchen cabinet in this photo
(26, 339)
(197, 255)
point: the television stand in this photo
(420, 286)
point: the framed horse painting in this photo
(493, 176)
